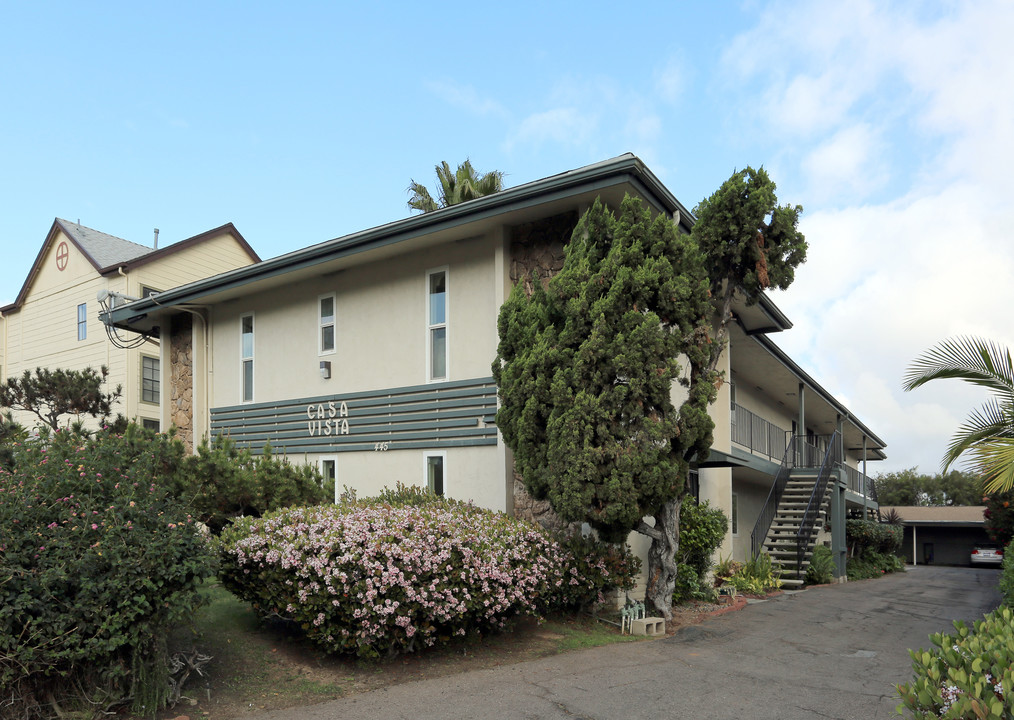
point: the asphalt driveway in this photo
(827, 652)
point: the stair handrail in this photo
(770, 508)
(832, 459)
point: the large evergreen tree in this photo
(750, 242)
(586, 370)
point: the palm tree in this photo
(988, 433)
(457, 187)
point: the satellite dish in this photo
(102, 295)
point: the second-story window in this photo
(326, 323)
(82, 321)
(436, 317)
(247, 355)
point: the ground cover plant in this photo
(373, 579)
(98, 563)
(756, 576)
(967, 674)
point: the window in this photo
(434, 472)
(147, 291)
(246, 355)
(734, 523)
(328, 469)
(325, 318)
(149, 379)
(149, 424)
(82, 321)
(436, 316)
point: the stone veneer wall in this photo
(181, 378)
(539, 246)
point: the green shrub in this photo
(98, 563)
(702, 529)
(864, 536)
(999, 516)
(371, 579)
(757, 576)
(1007, 575)
(873, 564)
(969, 674)
(223, 481)
(821, 568)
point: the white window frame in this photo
(320, 466)
(333, 324)
(734, 515)
(157, 380)
(442, 454)
(82, 321)
(445, 325)
(243, 359)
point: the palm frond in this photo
(421, 198)
(989, 422)
(980, 362)
(994, 460)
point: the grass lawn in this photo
(264, 665)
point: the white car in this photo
(987, 554)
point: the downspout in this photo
(866, 499)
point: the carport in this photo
(940, 535)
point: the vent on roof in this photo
(156, 238)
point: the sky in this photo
(891, 123)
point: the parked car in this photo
(987, 554)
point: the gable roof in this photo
(102, 250)
(107, 253)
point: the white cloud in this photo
(467, 98)
(564, 126)
(912, 116)
(846, 164)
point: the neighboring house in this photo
(54, 322)
(941, 535)
(370, 356)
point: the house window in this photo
(149, 424)
(82, 321)
(734, 522)
(434, 471)
(436, 316)
(325, 318)
(147, 291)
(149, 379)
(328, 469)
(246, 355)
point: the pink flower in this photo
(94, 526)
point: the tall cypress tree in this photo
(588, 369)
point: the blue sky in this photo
(891, 125)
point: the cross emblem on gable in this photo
(62, 253)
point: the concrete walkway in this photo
(827, 652)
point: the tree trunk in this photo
(662, 565)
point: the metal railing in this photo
(770, 508)
(754, 432)
(832, 460)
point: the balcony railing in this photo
(859, 483)
(759, 435)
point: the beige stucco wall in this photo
(381, 342)
(381, 328)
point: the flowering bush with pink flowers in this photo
(376, 579)
(97, 564)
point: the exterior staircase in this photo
(784, 539)
(788, 523)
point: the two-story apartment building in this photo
(370, 355)
(54, 322)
